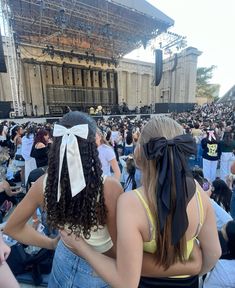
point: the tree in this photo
(204, 88)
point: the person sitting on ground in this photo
(221, 194)
(222, 217)
(6, 192)
(223, 274)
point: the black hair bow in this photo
(159, 149)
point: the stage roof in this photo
(107, 28)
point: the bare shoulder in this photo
(36, 191)
(40, 145)
(112, 186)
(129, 201)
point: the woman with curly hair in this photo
(76, 198)
(79, 201)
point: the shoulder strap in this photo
(200, 207)
(146, 207)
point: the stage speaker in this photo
(158, 67)
(3, 67)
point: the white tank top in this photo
(100, 239)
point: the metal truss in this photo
(96, 26)
(12, 62)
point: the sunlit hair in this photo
(102, 135)
(87, 210)
(161, 126)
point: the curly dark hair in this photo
(86, 211)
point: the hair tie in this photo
(70, 144)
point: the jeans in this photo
(72, 271)
(232, 204)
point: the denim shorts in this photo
(72, 271)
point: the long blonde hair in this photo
(161, 126)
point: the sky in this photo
(209, 26)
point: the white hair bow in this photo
(74, 163)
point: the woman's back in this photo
(195, 212)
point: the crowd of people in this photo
(176, 223)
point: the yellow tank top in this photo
(151, 245)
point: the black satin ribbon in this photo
(159, 149)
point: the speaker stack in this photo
(3, 68)
(158, 67)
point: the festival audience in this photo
(123, 138)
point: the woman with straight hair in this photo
(221, 194)
(79, 200)
(163, 218)
(40, 148)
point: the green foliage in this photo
(204, 88)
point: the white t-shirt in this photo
(222, 217)
(114, 136)
(222, 276)
(106, 154)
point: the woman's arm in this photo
(112, 191)
(4, 250)
(233, 168)
(8, 191)
(208, 237)
(17, 226)
(116, 169)
(126, 269)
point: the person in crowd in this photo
(128, 145)
(232, 203)
(163, 218)
(227, 156)
(19, 159)
(41, 147)
(211, 154)
(130, 178)
(27, 145)
(223, 274)
(81, 201)
(221, 194)
(107, 156)
(6, 192)
(222, 217)
(7, 279)
(197, 135)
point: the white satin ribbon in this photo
(74, 163)
(211, 135)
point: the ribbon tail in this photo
(62, 151)
(76, 176)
